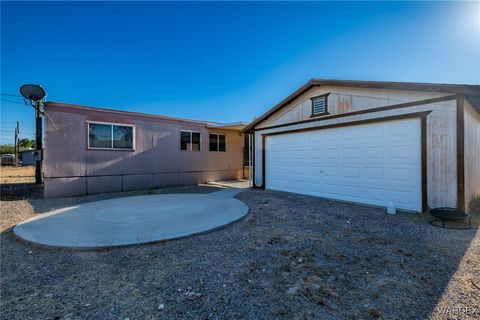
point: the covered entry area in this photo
(374, 163)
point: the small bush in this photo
(474, 206)
(474, 209)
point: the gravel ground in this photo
(292, 257)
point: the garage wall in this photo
(472, 153)
(441, 137)
(70, 168)
(344, 99)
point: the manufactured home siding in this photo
(472, 153)
(441, 129)
(157, 161)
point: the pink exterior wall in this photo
(70, 168)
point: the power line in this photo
(10, 101)
(9, 134)
(14, 131)
(10, 122)
(11, 95)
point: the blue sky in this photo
(225, 61)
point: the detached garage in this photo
(407, 145)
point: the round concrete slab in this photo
(132, 220)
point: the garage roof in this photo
(472, 92)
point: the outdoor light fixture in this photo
(35, 94)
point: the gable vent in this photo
(319, 105)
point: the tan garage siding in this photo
(70, 168)
(472, 153)
(343, 100)
(440, 134)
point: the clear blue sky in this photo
(224, 61)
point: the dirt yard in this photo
(18, 183)
(9, 174)
(292, 257)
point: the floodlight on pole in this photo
(35, 93)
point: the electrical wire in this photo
(10, 101)
(3, 130)
(11, 95)
(53, 123)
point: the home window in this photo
(189, 140)
(217, 142)
(110, 136)
(319, 105)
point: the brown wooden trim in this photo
(419, 86)
(307, 86)
(351, 123)
(354, 113)
(253, 159)
(325, 95)
(423, 117)
(460, 153)
(424, 163)
(263, 162)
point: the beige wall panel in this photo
(65, 145)
(104, 184)
(189, 178)
(137, 182)
(164, 180)
(65, 187)
(472, 153)
(343, 100)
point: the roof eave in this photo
(463, 89)
(123, 112)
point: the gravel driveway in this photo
(292, 257)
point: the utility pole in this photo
(38, 141)
(35, 93)
(17, 145)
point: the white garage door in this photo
(371, 163)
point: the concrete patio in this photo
(133, 220)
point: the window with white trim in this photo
(110, 136)
(189, 140)
(217, 142)
(319, 105)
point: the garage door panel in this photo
(373, 173)
(372, 133)
(372, 153)
(350, 153)
(402, 152)
(330, 153)
(373, 193)
(351, 172)
(400, 175)
(330, 171)
(402, 129)
(350, 133)
(328, 137)
(351, 191)
(374, 163)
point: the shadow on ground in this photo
(20, 191)
(292, 257)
